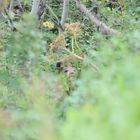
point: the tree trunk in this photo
(11, 4)
(64, 12)
(35, 7)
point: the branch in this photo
(97, 22)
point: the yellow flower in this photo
(48, 24)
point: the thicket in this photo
(81, 83)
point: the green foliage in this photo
(88, 90)
(109, 107)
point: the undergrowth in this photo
(79, 84)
